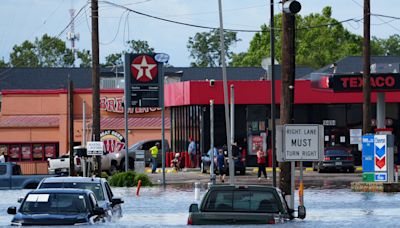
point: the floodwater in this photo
(168, 207)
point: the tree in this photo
(24, 55)
(204, 48)
(135, 46)
(316, 45)
(389, 46)
(85, 57)
(139, 46)
(3, 63)
(46, 52)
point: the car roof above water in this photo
(60, 191)
(248, 187)
(72, 180)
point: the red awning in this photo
(136, 122)
(29, 121)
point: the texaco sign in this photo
(143, 80)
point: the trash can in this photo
(139, 161)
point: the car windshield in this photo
(242, 201)
(54, 203)
(94, 187)
(336, 153)
(135, 146)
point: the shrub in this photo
(123, 179)
(104, 175)
(144, 178)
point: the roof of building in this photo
(137, 122)
(56, 78)
(29, 121)
(354, 64)
(233, 73)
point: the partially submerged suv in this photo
(228, 204)
(99, 186)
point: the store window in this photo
(37, 152)
(29, 151)
(49, 151)
(14, 154)
(26, 152)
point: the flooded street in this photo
(159, 207)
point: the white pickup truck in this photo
(60, 166)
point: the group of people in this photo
(220, 159)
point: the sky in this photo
(22, 20)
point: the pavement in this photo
(311, 179)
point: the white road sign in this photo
(302, 142)
(94, 148)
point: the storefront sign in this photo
(354, 82)
(355, 136)
(301, 142)
(94, 148)
(115, 104)
(112, 140)
(329, 122)
(143, 80)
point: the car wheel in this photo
(319, 170)
(243, 172)
(202, 170)
(351, 170)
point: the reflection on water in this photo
(168, 207)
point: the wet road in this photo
(331, 206)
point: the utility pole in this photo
(273, 106)
(71, 126)
(96, 79)
(367, 69)
(290, 8)
(225, 86)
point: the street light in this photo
(162, 58)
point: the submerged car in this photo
(99, 186)
(335, 159)
(57, 207)
(229, 204)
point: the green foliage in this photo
(139, 46)
(135, 46)
(316, 45)
(114, 59)
(205, 49)
(144, 178)
(390, 46)
(85, 57)
(104, 175)
(129, 179)
(24, 55)
(46, 52)
(3, 63)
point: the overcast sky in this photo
(22, 20)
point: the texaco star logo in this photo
(144, 68)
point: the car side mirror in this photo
(12, 210)
(115, 201)
(20, 199)
(98, 211)
(194, 207)
(301, 212)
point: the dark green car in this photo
(228, 204)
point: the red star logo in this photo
(144, 68)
